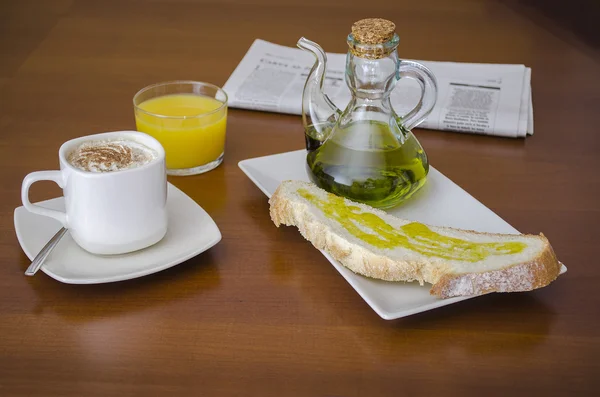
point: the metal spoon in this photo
(38, 261)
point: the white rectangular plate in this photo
(440, 202)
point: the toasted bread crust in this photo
(525, 276)
(536, 273)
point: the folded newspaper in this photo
(490, 99)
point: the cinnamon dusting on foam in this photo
(110, 155)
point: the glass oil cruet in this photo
(367, 152)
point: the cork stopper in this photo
(373, 31)
(373, 38)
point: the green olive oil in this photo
(414, 236)
(367, 162)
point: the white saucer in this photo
(440, 202)
(191, 231)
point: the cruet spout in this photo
(319, 114)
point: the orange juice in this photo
(190, 127)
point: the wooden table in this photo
(263, 313)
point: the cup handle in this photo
(30, 179)
(426, 79)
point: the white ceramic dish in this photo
(440, 202)
(191, 231)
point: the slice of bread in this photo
(375, 244)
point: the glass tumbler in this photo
(189, 119)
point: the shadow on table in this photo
(579, 17)
(520, 313)
(82, 303)
(209, 190)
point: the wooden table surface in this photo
(263, 313)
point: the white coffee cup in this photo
(109, 212)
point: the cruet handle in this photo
(426, 79)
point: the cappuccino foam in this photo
(110, 155)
